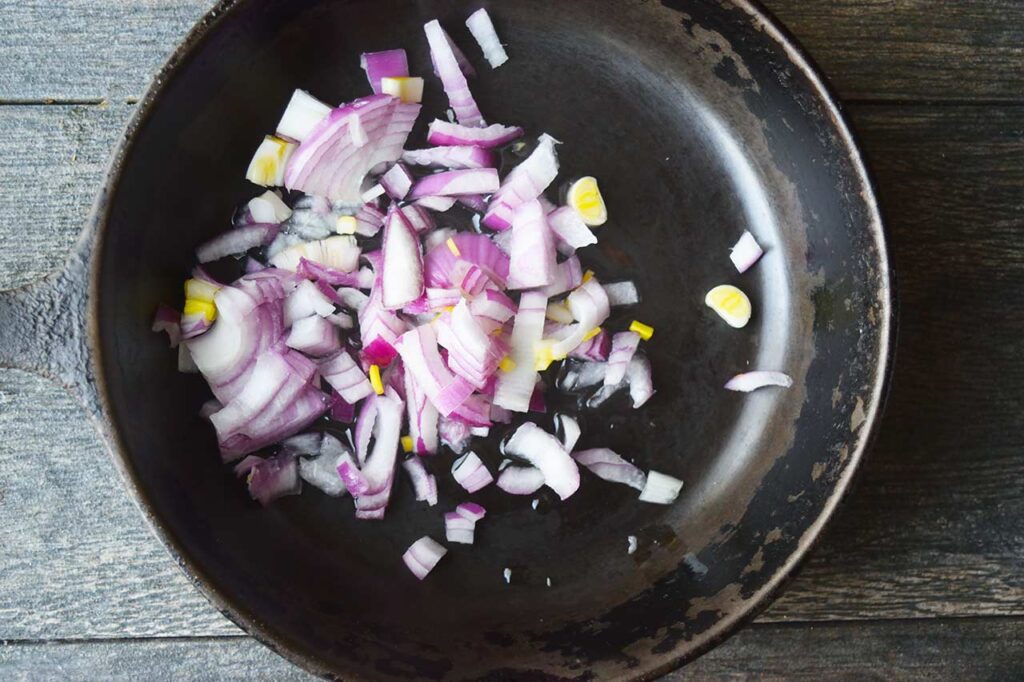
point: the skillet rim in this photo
(686, 652)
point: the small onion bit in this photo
(469, 472)
(746, 252)
(480, 25)
(611, 466)
(545, 452)
(660, 488)
(751, 381)
(423, 555)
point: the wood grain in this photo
(918, 650)
(935, 526)
(54, 157)
(872, 49)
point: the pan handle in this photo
(45, 326)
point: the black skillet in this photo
(701, 119)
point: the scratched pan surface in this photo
(701, 120)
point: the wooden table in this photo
(920, 576)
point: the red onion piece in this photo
(321, 471)
(379, 328)
(438, 204)
(624, 345)
(492, 309)
(545, 452)
(473, 202)
(379, 469)
(517, 480)
(471, 351)
(418, 348)
(423, 483)
(237, 241)
(397, 181)
(515, 388)
(455, 434)
(589, 306)
(422, 556)
(303, 113)
(457, 528)
(402, 271)
(660, 489)
(386, 64)
(345, 377)
(341, 410)
(478, 249)
(567, 276)
(469, 472)
(597, 348)
(610, 466)
(452, 78)
(314, 336)
(271, 478)
(479, 24)
(751, 381)
(746, 252)
(423, 417)
(168, 320)
(418, 218)
(570, 429)
(454, 157)
(621, 293)
(305, 301)
(524, 183)
(328, 275)
(455, 183)
(268, 208)
(340, 252)
(571, 233)
(369, 220)
(471, 510)
(446, 134)
(641, 385)
(533, 248)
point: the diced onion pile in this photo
(367, 332)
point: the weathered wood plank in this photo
(53, 160)
(875, 49)
(918, 650)
(934, 527)
(78, 559)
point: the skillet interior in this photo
(699, 126)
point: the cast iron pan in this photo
(701, 119)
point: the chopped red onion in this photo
(751, 381)
(303, 113)
(471, 351)
(746, 252)
(418, 218)
(624, 345)
(252, 265)
(492, 309)
(386, 64)
(471, 510)
(457, 528)
(268, 208)
(397, 181)
(567, 276)
(418, 348)
(469, 472)
(660, 489)
(641, 385)
(422, 556)
(440, 263)
(314, 336)
(340, 252)
(379, 329)
(446, 134)
(515, 388)
(589, 305)
(456, 183)
(455, 434)
(328, 275)
(452, 78)
(305, 301)
(237, 241)
(545, 452)
(375, 192)
(596, 348)
(571, 233)
(479, 24)
(423, 483)
(438, 204)
(321, 471)
(524, 183)
(402, 271)
(168, 320)
(379, 469)
(475, 203)
(610, 466)
(453, 156)
(271, 478)
(353, 299)
(346, 377)
(423, 417)
(369, 220)
(517, 480)
(622, 293)
(533, 248)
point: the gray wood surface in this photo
(932, 537)
(961, 649)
